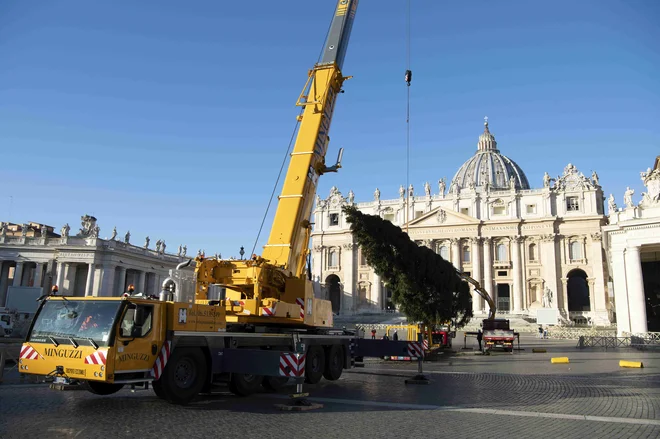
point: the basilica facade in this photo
(529, 247)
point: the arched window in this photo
(532, 252)
(500, 253)
(574, 251)
(466, 254)
(444, 252)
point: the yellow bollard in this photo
(624, 363)
(559, 360)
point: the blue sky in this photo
(171, 118)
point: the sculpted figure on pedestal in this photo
(158, 244)
(627, 197)
(127, 237)
(547, 298)
(611, 205)
(594, 178)
(65, 230)
(442, 186)
(351, 196)
(146, 242)
(180, 250)
(114, 233)
(546, 180)
(402, 191)
(377, 194)
(427, 189)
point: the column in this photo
(4, 281)
(455, 253)
(635, 284)
(70, 279)
(89, 286)
(549, 262)
(620, 290)
(376, 291)
(348, 267)
(141, 286)
(121, 285)
(488, 267)
(60, 275)
(600, 299)
(37, 274)
(108, 281)
(477, 301)
(517, 274)
(18, 274)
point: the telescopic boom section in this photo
(288, 243)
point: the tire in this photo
(98, 388)
(274, 383)
(334, 363)
(157, 386)
(244, 384)
(314, 364)
(184, 376)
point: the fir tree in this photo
(425, 287)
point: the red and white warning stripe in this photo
(292, 365)
(415, 349)
(301, 303)
(161, 360)
(98, 357)
(268, 312)
(426, 344)
(28, 353)
(238, 303)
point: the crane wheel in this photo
(184, 376)
(334, 362)
(103, 388)
(274, 383)
(314, 364)
(158, 389)
(244, 384)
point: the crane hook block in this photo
(408, 76)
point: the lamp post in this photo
(242, 252)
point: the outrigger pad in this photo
(418, 379)
(299, 405)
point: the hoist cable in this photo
(408, 79)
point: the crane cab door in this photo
(140, 336)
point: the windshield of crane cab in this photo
(79, 320)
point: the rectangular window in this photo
(465, 211)
(499, 210)
(419, 213)
(502, 273)
(572, 204)
(531, 208)
(334, 219)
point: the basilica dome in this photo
(488, 165)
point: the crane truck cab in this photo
(498, 334)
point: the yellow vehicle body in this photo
(121, 352)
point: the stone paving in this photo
(506, 395)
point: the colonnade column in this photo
(121, 287)
(38, 269)
(60, 275)
(18, 274)
(636, 298)
(517, 274)
(141, 282)
(89, 286)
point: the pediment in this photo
(443, 217)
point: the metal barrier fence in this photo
(640, 342)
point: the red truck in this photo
(497, 334)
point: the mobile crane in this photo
(252, 322)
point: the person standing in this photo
(480, 336)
